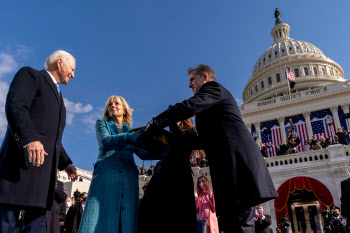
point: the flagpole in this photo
(285, 67)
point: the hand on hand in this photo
(36, 153)
(71, 172)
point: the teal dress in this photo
(113, 198)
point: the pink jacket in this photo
(205, 206)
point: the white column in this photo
(257, 129)
(345, 108)
(334, 110)
(308, 124)
(249, 127)
(283, 130)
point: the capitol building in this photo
(309, 180)
(306, 181)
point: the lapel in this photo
(52, 85)
(113, 127)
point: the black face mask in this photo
(336, 214)
(84, 199)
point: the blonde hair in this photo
(128, 111)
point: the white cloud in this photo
(75, 108)
(3, 122)
(7, 64)
(239, 101)
(90, 119)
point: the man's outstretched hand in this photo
(71, 172)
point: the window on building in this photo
(330, 72)
(80, 179)
(323, 71)
(256, 88)
(306, 71)
(278, 78)
(270, 55)
(251, 92)
(276, 53)
(290, 48)
(315, 71)
(262, 85)
(269, 80)
(264, 60)
(283, 50)
(296, 72)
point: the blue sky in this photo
(141, 50)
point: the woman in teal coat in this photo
(112, 203)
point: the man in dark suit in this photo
(74, 215)
(32, 150)
(53, 216)
(262, 220)
(239, 174)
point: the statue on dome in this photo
(278, 16)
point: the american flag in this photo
(290, 74)
(274, 138)
(319, 124)
(300, 126)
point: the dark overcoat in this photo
(35, 112)
(263, 225)
(53, 216)
(238, 171)
(168, 204)
(73, 218)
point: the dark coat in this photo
(238, 171)
(168, 204)
(53, 216)
(73, 218)
(263, 226)
(35, 112)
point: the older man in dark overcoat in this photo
(238, 171)
(32, 149)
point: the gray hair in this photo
(59, 54)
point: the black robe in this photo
(239, 175)
(168, 204)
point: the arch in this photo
(322, 193)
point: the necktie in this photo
(58, 89)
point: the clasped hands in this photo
(36, 156)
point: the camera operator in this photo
(336, 223)
(262, 220)
(285, 224)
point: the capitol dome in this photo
(310, 66)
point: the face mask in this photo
(68, 204)
(84, 199)
(336, 214)
(201, 185)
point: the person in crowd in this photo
(205, 205)
(324, 143)
(32, 149)
(327, 216)
(142, 170)
(262, 220)
(113, 199)
(313, 140)
(53, 216)
(306, 147)
(238, 171)
(69, 203)
(278, 151)
(336, 223)
(75, 212)
(173, 172)
(284, 148)
(341, 135)
(285, 225)
(263, 150)
(76, 195)
(62, 215)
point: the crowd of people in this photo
(146, 171)
(311, 144)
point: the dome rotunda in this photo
(310, 66)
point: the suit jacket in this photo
(238, 171)
(35, 112)
(73, 218)
(345, 198)
(263, 226)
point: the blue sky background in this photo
(141, 50)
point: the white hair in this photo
(59, 54)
